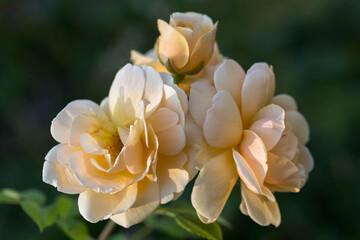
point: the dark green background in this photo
(53, 52)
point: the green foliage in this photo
(63, 211)
(192, 224)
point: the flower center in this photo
(114, 147)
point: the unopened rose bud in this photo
(186, 44)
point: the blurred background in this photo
(53, 52)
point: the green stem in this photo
(178, 78)
(142, 233)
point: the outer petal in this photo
(200, 100)
(283, 175)
(253, 151)
(98, 206)
(255, 93)
(163, 119)
(265, 67)
(203, 49)
(183, 98)
(268, 124)
(126, 93)
(172, 178)
(171, 101)
(287, 145)
(213, 186)
(147, 201)
(54, 173)
(153, 90)
(60, 126)
(259, 208)
(197, 149)
(223, 126)
(299, 126)
(172, 140)
(172, 45)
(285, 101)
(305, 162)
(230, 77)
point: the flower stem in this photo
(105, 233)
(178, 78)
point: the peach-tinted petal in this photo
(183, 98)
(134, 158)
(200, 100)
(259, 208)
(287, 145)
(223, 126)
(255, 93)
(203, 49)
(91, 145)
(283, 175)
(171, 140)
(265, 67)
(126, 93)
(153, 90)
(162, 119)
(299, 126)
(214, 185)
(147, 201)
(99, 206)
(285, 101)
(172, 45)
(304, 161)
(254, 152)
(54, 173)
(230, 77)
(172, 178)
(171, 101)
(268, 124)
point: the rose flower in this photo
(235, 129)
(124, 157)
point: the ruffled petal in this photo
(223, 126)
(153, 90)
(299, 126)
(162, 119)
(268, 124)
(98, 206)
(285, 101)
(213, 186)
(171, 140)
(230, 76)
(259, 208)
(147, 201)
(200, 100)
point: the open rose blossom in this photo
(236, 129)
(186, 43)
(126, 156)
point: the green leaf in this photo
(35, 195)
(74, 229)
(222, 221)
(42, 216)
(9, 196)
(118, 236)
(65, 206)
(192, 224)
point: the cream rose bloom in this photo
(124, 157)
(237, 129)
(186, 43)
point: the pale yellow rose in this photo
(234, 131)
(186, 43)
(124, 157)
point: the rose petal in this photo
(147, 201)
(172, 178)
(98, 206)
(287, 145)
(299, 126)
(223, 126)
(285, 101)
(153, 90)
(268, 124)
(172, 45)
(259, 208)
(171, 140)
(171, 101)
(200, 100)
(126, 93)
(253, 151)
(214, 185)
(230, 77)
(255, 93)
(54, 173)
(163, 119)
